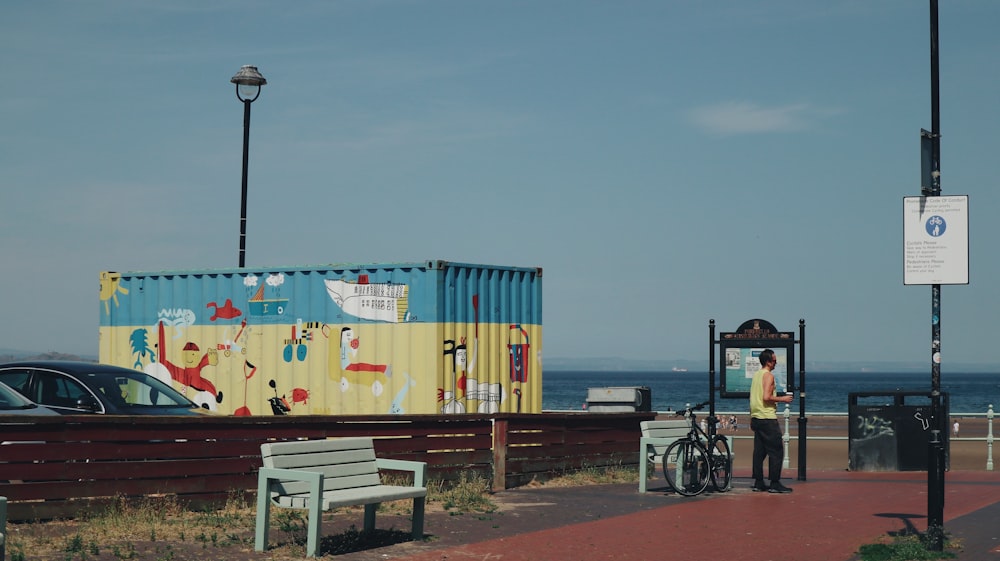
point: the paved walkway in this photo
(826, 518)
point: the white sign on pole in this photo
(936, 240)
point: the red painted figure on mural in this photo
(190, 374)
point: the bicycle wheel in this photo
(722, 463)
(685, 465)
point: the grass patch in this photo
(595, 475)
(910, 547)
(154, 522)
(468, 494)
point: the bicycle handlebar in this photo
(687, 411)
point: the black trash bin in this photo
(893, 435)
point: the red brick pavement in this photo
(826, 518)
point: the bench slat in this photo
(333, 469)
(309, 446)
(652, 428)
(320, 458)
(330, 484)
(349, 497)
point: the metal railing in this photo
(787, 415)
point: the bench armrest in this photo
(268, 475)
(266, 479)
(419, 469)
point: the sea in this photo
(826, 392)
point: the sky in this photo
(664, 162)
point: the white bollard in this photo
(989, 438)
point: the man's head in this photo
(767, 358)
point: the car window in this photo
(16, 378)
(115, 393)
(136, 390)
(10, 399)
(58, 390)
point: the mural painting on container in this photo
(316, 342)
(180, 360)
(463, 377)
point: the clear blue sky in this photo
(664, 162)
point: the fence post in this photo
(785, 437)
(989, 438)
(3, 528)
(499, 454)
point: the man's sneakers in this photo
(777, 487)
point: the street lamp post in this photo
(936, 449)
(248, 82)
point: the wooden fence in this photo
(54, 467)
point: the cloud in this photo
(743, 117)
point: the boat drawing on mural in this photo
(262, 307)
(373, 301)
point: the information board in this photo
(741, 350)
(936, 240)
(740, 364)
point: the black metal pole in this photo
(711, 372)
(243, 198)
(802, 400)
(935, 471)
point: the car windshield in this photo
(10, 400)
(136, 390)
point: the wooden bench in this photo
(656, 437)
(318, 475)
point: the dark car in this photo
(73, 388)
(13, 403)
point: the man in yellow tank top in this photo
(764, 424)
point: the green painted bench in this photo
(656, 437)
(319, 475)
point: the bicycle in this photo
(691, 462)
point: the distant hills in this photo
(618, 364)
(10, 355)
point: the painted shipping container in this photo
(430, 337)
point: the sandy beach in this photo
(827, 446)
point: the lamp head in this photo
(248, 82)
